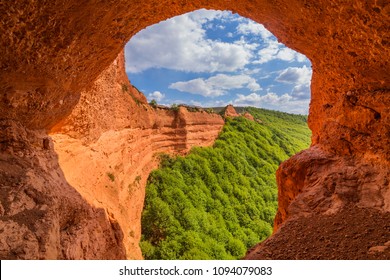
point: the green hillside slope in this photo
(217, 202)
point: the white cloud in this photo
(255, 99)
(180, 43)
(252, 28)
(271, 49)
(301, 58)
(197, 86)
(217, 103)
(158, 96)
(205, 103)
(275, 50)
(285, 102)
(286, 54)
(268, 53)
(216, 85)
(295, 75)
(300, 77)
(203, 15)
(301, 91)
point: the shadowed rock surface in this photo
(350, 234)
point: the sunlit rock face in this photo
(60, 73)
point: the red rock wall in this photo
(109, 132)
(54, 51)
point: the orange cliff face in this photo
(56, 75)
(110, 143)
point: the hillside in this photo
(219, 201)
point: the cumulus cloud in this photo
(204, 103)
(277, 51)
(295, 75)
(285, 102)
(216, 85)
(300, 77)
(270, 49)
(203, 15)
(180, 43)
(252, 28)
(301, 91)
(255, 99)
(158, 96)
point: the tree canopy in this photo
(219, 201)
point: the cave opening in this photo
(214, 204)
(211, 58)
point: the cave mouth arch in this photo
(52, 51)
(210, 58)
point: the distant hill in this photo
(217, 202)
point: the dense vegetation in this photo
(217, 202)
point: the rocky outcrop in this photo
(53, 57)
(248, 116)
(230, 112)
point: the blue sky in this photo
(214, 58)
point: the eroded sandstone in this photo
(230, 112)
(114, 138)
(52, 69)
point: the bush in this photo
(174, 107)
(153, 103)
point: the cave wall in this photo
(55, 56)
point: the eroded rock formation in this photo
(54, 54)
(114, 138)
(230, 112)
(248, 116)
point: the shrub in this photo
(153, 103)
(174, 107)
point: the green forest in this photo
(217, 202)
